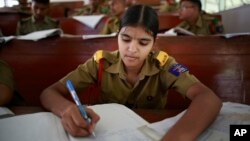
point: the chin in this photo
(131, 65)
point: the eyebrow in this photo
(144, 39)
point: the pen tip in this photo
(93, 134)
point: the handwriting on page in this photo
(117, 135)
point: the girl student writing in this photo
(137, 77)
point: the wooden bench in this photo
(74, 27)
(168, 21)
(221, 64)
(9, 19)
(71, 26)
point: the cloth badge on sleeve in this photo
(177, 69)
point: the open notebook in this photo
(117, 123)
(89, 20)
(5, 112)
(34, 36)
(231, 113)
(37, 35)
(176, 31)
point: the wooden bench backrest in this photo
(221, 64)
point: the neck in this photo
(133, 70)
(39, 20)
(132, 75)
(193, 19)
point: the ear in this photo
(155, 45)
(154, 48)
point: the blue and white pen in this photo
(78, 103)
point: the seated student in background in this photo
(8, 94)
(117, 8)
(197, 21)
(137, 76)
(23, 7)
(169, 6)
(6, 83)
(94, 7)
(39, 19)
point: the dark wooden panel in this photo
(9, 20)
(222, 64)
(167, 21)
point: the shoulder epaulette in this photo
(98, 55)
(162, 57)
(208, 17)
(25, 19)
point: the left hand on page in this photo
(75, 124)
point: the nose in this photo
(38, 12)
(132, 47)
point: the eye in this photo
(144, 42)
(126, 39)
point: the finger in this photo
(73, 129)
(93, 116)
(94, 119)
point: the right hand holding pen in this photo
(75, 124)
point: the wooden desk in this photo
(168, 21)
(74, 27)
(9, 20)
(221, 64)
(147, 114)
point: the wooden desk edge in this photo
(150, 115)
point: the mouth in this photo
(131, 58)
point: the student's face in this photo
(116, 7)
(187, 10)
(170, 1)
(39, 10)
(134, 45)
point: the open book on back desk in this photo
(176, 31)
(117, 123)
(37, 35)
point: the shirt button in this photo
(149, 98)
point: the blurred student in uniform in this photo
(8, 94)
(6, 83)
(197, 21)
(39, 19)
(117, 8)
(23, 7)
(94, 7)
(169, 6)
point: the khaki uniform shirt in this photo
(88, 10)
(168, 8)
(150, 91)
(29, 25)
(205, 25)
(6, 76)
(111, 26)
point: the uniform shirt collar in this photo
(148, 69)
(199, 22)
(46, 19)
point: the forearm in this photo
(53, 101)
(200, 114)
